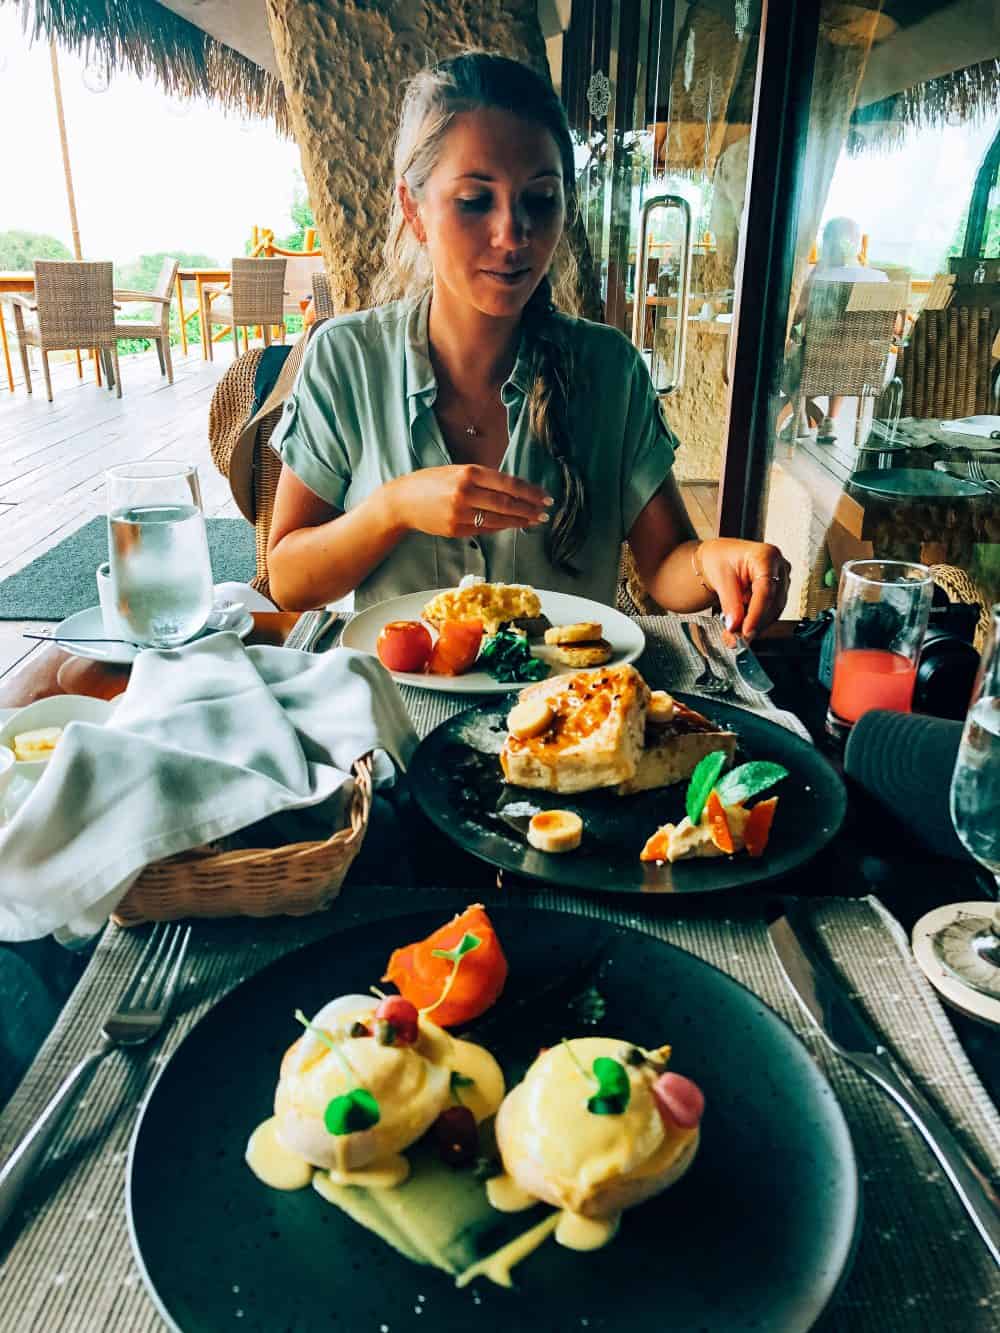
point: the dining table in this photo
(199, 276)
(65, 1257)
(12, 282)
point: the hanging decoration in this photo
(96, 76)
(599, 95)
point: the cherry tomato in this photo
(404, 645)
(402, 1016)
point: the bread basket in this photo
(293, 880)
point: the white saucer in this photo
(89, 625)
(967, 1001)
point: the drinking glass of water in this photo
(969, 946)
(161, 577)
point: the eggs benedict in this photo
(367, 1079)
(595, 1127)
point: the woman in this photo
(468, 427)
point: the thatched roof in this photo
(970, 94)
(148, 39)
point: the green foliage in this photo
(140, 274)
(302, 216)
(19, 248)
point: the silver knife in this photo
(848, 1032)
(750, 669)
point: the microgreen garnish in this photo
(458, 1081)
(749, 780)
(613, 1087)
(465, 945)
(353, 1110)
(703, 779)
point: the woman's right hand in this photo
(444, 501)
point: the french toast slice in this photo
(673, 749)
(595, 738)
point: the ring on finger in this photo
(769, 578)
(478, 519)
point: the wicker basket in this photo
(295, 880)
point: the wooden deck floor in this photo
(53, 456)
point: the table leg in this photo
(6, 349)
(198, 284)
(79, 365)
(180, 314)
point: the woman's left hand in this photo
(750, 580)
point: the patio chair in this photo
(157, 328)
(322, 296)
(948, 363)
(73, 308)
(255, 295)
(847, 343)
(300, 274)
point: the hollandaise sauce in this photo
(271, 1161)
(585, 1233)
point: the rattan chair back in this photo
(75, 304)
(322, 296)
(846, 351)
(947, 362)
(258, 291)
(299, 274)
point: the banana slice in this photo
(530, 718)
(555, 831)
(584, 631)
(34, 745)
(660, 708)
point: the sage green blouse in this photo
(361, 413)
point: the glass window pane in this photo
(888, 392)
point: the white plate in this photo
(626, 638)
(89, 625)
(979, 428)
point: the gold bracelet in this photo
(698, 571)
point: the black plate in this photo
(460, 788)
(756, 1236)
(915, 483)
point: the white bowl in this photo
(58, 711)
(7, 763)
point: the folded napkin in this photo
(207, 739)
(904, 761)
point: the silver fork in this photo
(710, 681)
(978, 473)
(139, 1015)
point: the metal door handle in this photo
(639, 304)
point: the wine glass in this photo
(969, 945)
(161, 576)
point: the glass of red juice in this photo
(882, 611)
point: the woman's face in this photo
(492, 211)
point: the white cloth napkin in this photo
(207, 739)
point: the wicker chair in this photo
(158, 328)
(300, 276)
(847, 342)
(74, 308)
(948, 367)
(255, 295)
(322, 296)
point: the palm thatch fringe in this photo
(147, 38)
(969, 94)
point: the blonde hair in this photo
(467, 82)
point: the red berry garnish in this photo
(403, 1017)
(679, 1101)
(456, 1136)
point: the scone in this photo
(494, 604)
(595, 736)
(672, 749)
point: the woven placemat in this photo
(68, 1266)
(61, 582)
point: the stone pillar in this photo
(343, 66)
